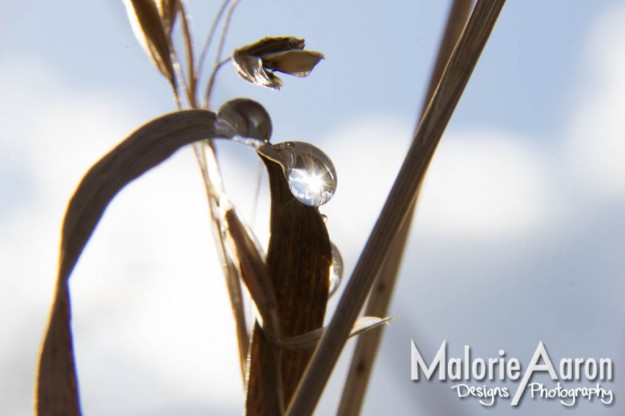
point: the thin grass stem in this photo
(403, 193)
(211, 35)
(218, 56)
(188, 47)
(363, 358)
(211, 81)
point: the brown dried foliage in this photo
(57, 390)
(298, 261)
(150, 30)
(403, 193)
(290, 286)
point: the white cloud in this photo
(485, 185)
(367, 153)
(481, 184)
(595, 140)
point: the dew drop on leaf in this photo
(309, 172)
(336, 270)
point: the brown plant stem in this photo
(211, 35)
(209, 168)
(188, 46)
(403, 193)
(363, 358)
(220, 48)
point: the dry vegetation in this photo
(288, 357)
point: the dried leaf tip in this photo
(258, 61)
(168, 9)
(148, 24)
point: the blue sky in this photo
(518, 236)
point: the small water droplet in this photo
(309, 172)
(324, 218)
(336, 270)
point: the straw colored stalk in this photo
(403, 193)
(363, 358)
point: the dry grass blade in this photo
(220, 49)
(57, 386)
(168, 9)
(298, 261)
(245, 118)
(57, 391)
(233, 277)
(149, 29)
(207, 161)
(210, 36)
(263, 386)
(309, 340)
(450, 89)
(254, 273)
(363, 358)
(192, 76)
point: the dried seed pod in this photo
(244, 117)
(255, 62)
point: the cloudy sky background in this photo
(518, 237)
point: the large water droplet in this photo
(245, 118)
(336, 270)
(309, 172)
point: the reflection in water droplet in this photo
(336, 270)
(248, 141)
(310, 172)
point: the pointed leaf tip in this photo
(149, 27)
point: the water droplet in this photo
(324, 217)
(336, 270)
(309, 172)
(244, 118)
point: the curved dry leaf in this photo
(57, 389)
(298, 260)
(309, 339)
(149, 29)
(254, 272)
(255, 62)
